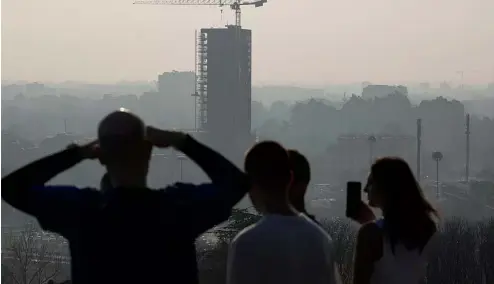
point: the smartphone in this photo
(353, 198)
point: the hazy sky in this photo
(294, 41)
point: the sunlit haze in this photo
(294, 41)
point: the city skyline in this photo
(297, 42)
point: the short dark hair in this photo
(268, 166)
(119, 131)
(300, 167)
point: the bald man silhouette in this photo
(124, 149)
(128, 233)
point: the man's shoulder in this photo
(312, 217)
(180, 190)
(65, 188)
(255, 235)
(314, 228)
(70, 191)
(186, 195)
(248, 234)
(88, 196)
(264, 227)
(193, 208)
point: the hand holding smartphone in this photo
(353, 198)
(356, 209)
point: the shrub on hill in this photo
(465, 252)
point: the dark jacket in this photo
(129, 235)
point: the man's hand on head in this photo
(89, 151)
(164, 138)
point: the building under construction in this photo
(223, 87)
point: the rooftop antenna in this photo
(461, 73)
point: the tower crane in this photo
(234, 4)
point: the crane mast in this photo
(234, 5)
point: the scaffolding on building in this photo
(202, 80)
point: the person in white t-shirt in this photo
(285, 246)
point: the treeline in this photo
(314, 127)
(310, 125)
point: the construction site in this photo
(223, 80)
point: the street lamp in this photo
(181, 158)
(437, 156)
(467, 154)
(372, 141)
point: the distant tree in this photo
(28, 259)
(280, 110)
(259, 114)
(212, 260)
(273, 129)
(240, 219)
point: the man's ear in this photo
(290, 183)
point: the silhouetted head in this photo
(125, 152)
(301, 178)
(392, 187)
(268, 167)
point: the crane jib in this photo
(193, 2)
(257, 3)
(234, 4)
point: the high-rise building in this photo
(382, 91)
(223, 83)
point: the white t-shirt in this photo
(282, 249)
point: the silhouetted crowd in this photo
(286, 246)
